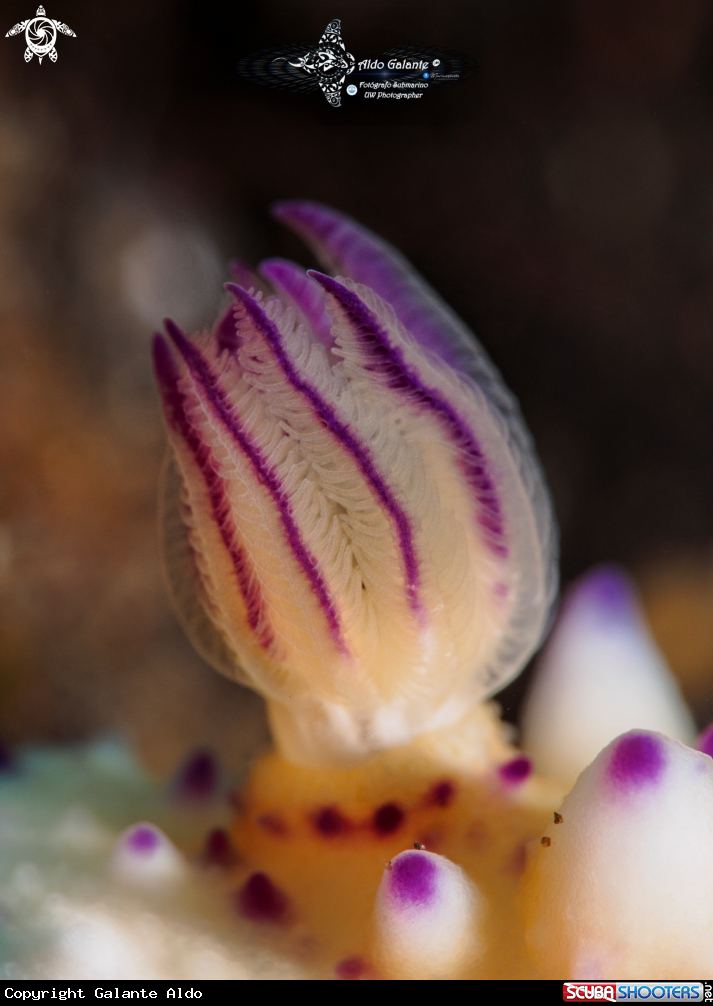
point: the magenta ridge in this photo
(202, 373)
(388, 361)
(359, 451)
(177, 417)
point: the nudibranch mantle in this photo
(355, 523)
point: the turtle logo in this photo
(329, 62)
(40, 35)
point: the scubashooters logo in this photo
(406, 72)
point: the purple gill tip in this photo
(637, 761)
(295, 284)
(412, 880)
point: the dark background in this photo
(561, 200)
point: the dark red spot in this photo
(442, 793)
(261, 901)
(387, 818)
(272, 823)
(219, 849)
(516, 770)
(198, 778)
(328, 821)
(351, 968)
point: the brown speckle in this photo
(558, 818)
(419, 845)
(546, 841)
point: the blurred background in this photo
(561, 200)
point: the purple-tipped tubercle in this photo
(608, 592)
(637, 762)
(143, 840)
(412, 879)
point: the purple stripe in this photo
(174, 403)
(202, 372)
(347, 248)
(388, 360)
(341, 432)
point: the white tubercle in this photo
(622, 884)
(427, 915)
(601, 674)
(145, 856)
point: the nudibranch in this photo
(355, 522)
